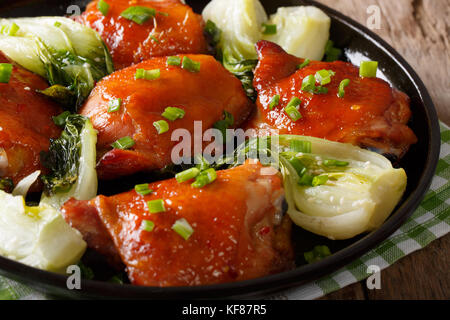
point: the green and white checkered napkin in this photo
(430, 221)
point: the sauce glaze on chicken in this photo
(371, 114)
(240, 232)
(174, 29)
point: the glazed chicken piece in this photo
(174, 29)
(371, 114)
(203, 95)
(26, 124)
(239, 232)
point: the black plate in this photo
(420, 164)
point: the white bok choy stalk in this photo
(72, 162)
(333, 189)
(71, 56)
(37, 236)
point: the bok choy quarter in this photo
(71, 160)
(333, 189)
(72, 57)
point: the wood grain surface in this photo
(420, 31)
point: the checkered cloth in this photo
(430, 221)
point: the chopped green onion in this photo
(174, 61)
(274, 102)
(147, 225)
(165, 14)
(60, 120)
(138, 14)
(204, 178)
(335, 163)
(319, 180)
(291, 109)
(318, 253)
(324, 76)
(161, 126)
(331, 53)
(147, 74)
(5, 72)
(309, 83)
(103, 7)
(187, 175)
(320, 89)
(190, 65)
(123, 143)
(143, 189)
(298, 165)
(368, 69)
(269, 28)
(304, 64)
(10, 30)
(154, 39)
(156, 206)
(342, 86)
(57, 24)
(183, 228)
(114, 105)
(293, 113)
(306, 180)
(300, 146)
(295, 102)
(173, 113)
(202, 163)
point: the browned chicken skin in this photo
(174, 29)
(26, 124)
(371, 114)
(239, 232)
(203, 95)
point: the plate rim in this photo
(56, 283)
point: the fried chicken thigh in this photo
(174, 29)
(239, 232)
(371, 113)
(203, 95)
(26, 124)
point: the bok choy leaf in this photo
(72, 57)
(332, 189)
(71, 160)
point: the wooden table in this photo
(419, 30)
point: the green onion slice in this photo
(324, 76)
(161, 126)
(183, 228)
(147, 74)
(156, 206)
(202, 163)
(274, 102)
(190, 65)
(123, 143)
(304, 64)
(114, 105)
(292, 109)
(147, 225)
(204, 178)
(309, 83)
(173, 113)
(342, 86)
(143, 189)
(174, 61)
(5, 72)
(269, 28)
(187, 175)
(103, 7)
(335, 163)
(368, 69)
(319, 180)
(138, 14)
